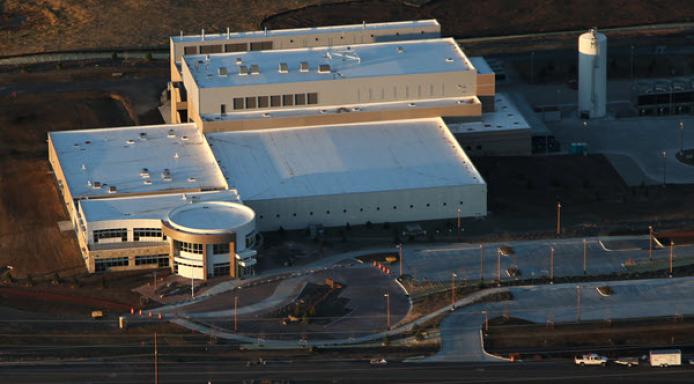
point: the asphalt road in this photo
(339, 372)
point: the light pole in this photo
(387, 296)
(664, 154)
(486, 321)
(400, 256)
(481, 263)
(650, 243)
(498, 267)
(192, 286)
(672, 244)
(578, 303)
(681, 137)
(558, 218)
(458, 220)
(453, 276)
(585, 256)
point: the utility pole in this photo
(681, 137)
(236, 310)
(387, 296)
(672, 244)
(156, 360)
(578, 303)
(650, 243)
(551, 265)
(558, 218)
(400, 256)
(481, 263)
(192, 287)
(585, 256)
(453, 276)
(458, 220)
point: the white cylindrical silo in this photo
(592, 74)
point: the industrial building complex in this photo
(285, 130)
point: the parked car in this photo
(628, 361)
(591, 359)
(378, 361)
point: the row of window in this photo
(102, 265)
(241, 103)
(161, 260)
(147, 232)
(344, 211)
(221, 269)
(110, 234)
(232, 47)
(189, 247)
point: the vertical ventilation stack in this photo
(592, 74)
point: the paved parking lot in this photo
(460, 332)
(437, 263)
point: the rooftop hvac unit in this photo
(143, 135)
(222, 71)
(144, 172)
(239, 61)
(112, 189)
(283, 68)
(255, 70)
(96, 185)
(324, 68)
(243, 70)
(171, 134)
(303, 66)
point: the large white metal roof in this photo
(341, 159)
(117, 156)
(147, 207)
(307, 31)
(346, 62)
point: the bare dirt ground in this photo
(493, 17)
(30, 26)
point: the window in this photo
(250, 240)
(313, 98)
(220, 249)
(189, 247)
(211, 49)
(102, 265)
(238, 103)
(395, 207)
(287, 100)
(121, 233)
(327, 212)
(276, 101)
(190, 50)
(146, 232)
(221, 269)
(223, 109)
(460, 202)
(411, 206)
(444, 204)
(236, 47)
(300, 99)
(160, 260)
(263, 102)
(250, 102)
(261, 45)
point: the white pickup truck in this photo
(591, 359)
